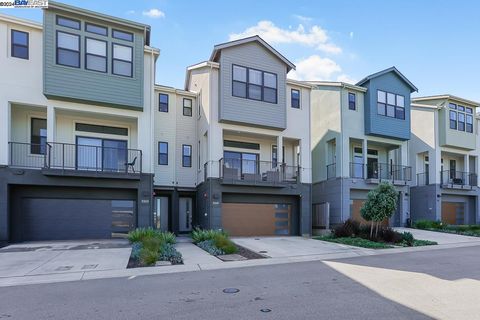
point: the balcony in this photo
(458, 179)
(377, 172)
(261, 173)
(331, 171)
(74, 159)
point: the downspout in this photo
(341, 153)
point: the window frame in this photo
(37, 145)
(292, 99)
(96, 55)
(121, 60)
(125, 32)
(248, 84)
(385, 105)
(354, 95)
(457, 111)
(245, 83)
(160, 102)
(185, 108)
(13, 45)
(162, 153)
(57, 48)
(453, 112)
(185, 156)
(57, 17)
(96, 25)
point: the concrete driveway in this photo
(439, 237)
(60, 257)
(285, 247)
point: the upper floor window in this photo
(95, 55)
(295, 98)
(186, 155)
(68, 49)
(163, 100)
(460, 118)
(19, 44)
(122, 60)
(38, 136)
(163, 153)
(122, 35)
(352, 101)
(187, 107)
(69, 23)
(390, 105)
(254, 84)
(93, 28)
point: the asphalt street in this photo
(373, 287)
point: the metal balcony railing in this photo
(423, 179)
(257, 172)
(331, 171)
(66, 156)
(458, 178)
(380, 171)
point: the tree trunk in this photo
(376, 230)
(371, 229)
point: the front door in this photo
(160, 216)
(372, 168)
(185, 214)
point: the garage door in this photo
(355, 207)
(453, 212)
(256, 219)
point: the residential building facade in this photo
(360, 137)
(444, 157)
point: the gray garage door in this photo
(68, 219)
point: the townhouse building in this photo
(76, 125)
(360, 137)
(445, 158)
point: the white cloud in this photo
(315, 37)
(302, 18)
(315, 68)
(154, 13)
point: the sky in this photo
(433, 43)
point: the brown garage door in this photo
(453, 212)
(253, 219)
(355, 207)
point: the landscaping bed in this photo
(218, 244)
(472, 230)
(353, 234)
(151, 247)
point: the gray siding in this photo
(79, 84)
(383, 126)
(241, 110)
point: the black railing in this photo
(257, 172)
(381, 171)
(423, 179)
(331, 171)
(458, 178)
(65, 156)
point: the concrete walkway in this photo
(439, 237)
(195, 256)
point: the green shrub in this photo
(138, 235)
(199, 235)
(387, 234)
(136, 248)
(152, 244)
(210, 247)
(408, 239)
(349, 228)
(222, 242)
(428, 224)
(167, 237)
(148, 257)
(169, 253)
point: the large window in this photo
(352, 101)
(122, 60)
(93, 28)
(295, 96)
(163, 153)
(19, 44)
(69, 23)
(101, 154)
(68, 49)
(38, 136)
(186, 155)
(187, 107)
(254, 84)
(122, 35)
(242, 161)
(96, 55)
(461, 118)
(163, 100)
(390, 105)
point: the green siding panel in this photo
(79, 84)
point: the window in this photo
(239, 85)
(38, 136)
(186, 155)
(254, 84)
(19, 44)
(242, 161)
(187, 107)
(163, 100)
(352, 101)
(295, 98)
(69, 23)
(101, 154)
(163, 153)
(453, 120)
(101, 129)
(390, 105)
(461, 121)
(275, 155)
(469, 127)
(93, 28)
(68, 49)
(122, 60)
(95, 55)
(241, 144)
(452, 106)
(122, 35)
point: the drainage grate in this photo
(64, 268)
(89, 266)
(265, 310)
(230, 290)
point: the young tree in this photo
(381, 203)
